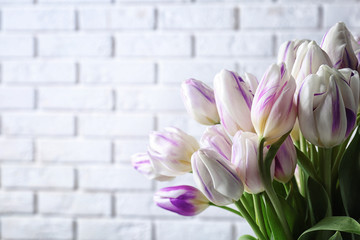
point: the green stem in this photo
(326, 170)
(259, 214)
(227, 209)
(251, 222)
(266, 178)
(340, 154)
(247, 206)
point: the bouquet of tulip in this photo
(284, 151)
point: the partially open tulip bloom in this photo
(233, 99)
(285, 161)
(216, 177)
(170, 151)
(199, 102)
(327, 107)
(245, 159)
(216, 138)
(273, 111)
(142, 163)
(184, 200)
(337, 43)
(287, 52)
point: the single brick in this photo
(17, 98)
(16, 202)
(16, 150)
(16, 46)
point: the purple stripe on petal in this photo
(286, 50)
(351, 119)
(337, 63)
(166, 138)
(207, 93)
(282, 70)
(228, 169)
(322, 41)
(336, 111)
(246, 97)
(208, 193)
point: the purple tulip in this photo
(285, 161)
(216, 177)
(216, 138)
(170, 151)
(184, 200)
(199, 102)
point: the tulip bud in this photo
(233, 100)
(337, 43)
(170, 151)
(184, 200)
(245, 158)
(273, 112)
(216, 138)
(352, 78)
(287, 52)
(216, 177)
(141, 162)
(285, 161)
(327, 107)
(199, 102)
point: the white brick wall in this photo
(83, 82)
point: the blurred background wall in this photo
(84, 81)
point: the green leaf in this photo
(273, 220)
(306, 165)
(336, 236)
(319, 203)
(339, 223)
(247, 237)
(349, 178)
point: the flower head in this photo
(216, 138)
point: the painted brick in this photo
(29, 124)
(74, 1)
(38, 19)
(129, 17)
(70, 150)
(196, 17)
(279, 16)
(32, 72)
(75, 98)
(79, 204)
(16, 98)
(124, 149)
(16, 150)
(35, 228)
(177, 71)
(256, 67)
(37, 177)
(116, 125)
(112, 178)
(16, 202)
(16, 46)
(349, 14)
(150, 45)
(118, 72)
(149, 98)
(194, 230)
(74, 45)
(234, 45)
(106, 229)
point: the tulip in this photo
(245, 158)
(285, 161)
(337, 43)
(170, 151)
(141, 162)
(273, 111)
(216, 138)
(199, 102)
(216, 177)
(352, 78)
(233, 99)
(287, 52)
(252, 81)
(327, 107)
(184, 200)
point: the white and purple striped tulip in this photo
(352, 78)
(233, 99)
(285, 161)
(184, 200)
(142, 163)
(273, 111)
(170, 151)
(245, 159)
(287, 52)
(337, 43)
(252, 81)
(216, 177)
(216, 138)
(199, 102)
(327, 107)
